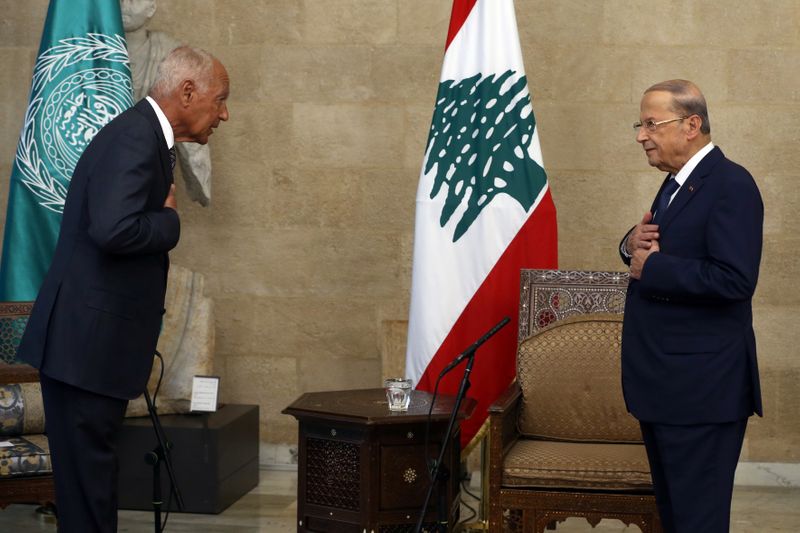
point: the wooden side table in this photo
(362, 468)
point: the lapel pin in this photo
(691, 188)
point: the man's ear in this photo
(187, 92)
(695, 123)
(151, 10)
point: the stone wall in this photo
(306, 246)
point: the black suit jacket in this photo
(688, 347)
(98, 313)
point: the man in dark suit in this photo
(96, 320)
(689, 368)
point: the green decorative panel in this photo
(13, 317)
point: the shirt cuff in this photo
(623, 250)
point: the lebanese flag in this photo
(484, 209)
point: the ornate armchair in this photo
(26, 475)
(562, 443)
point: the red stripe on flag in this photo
(461, 10)
(534, 246)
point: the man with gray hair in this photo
(147, 48)
(689, 370)
(94, 327)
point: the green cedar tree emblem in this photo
(479, 138)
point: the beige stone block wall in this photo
(306, 246)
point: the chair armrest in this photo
(503, 419)
(507, 400)
(503, 422)
(502, 436)
(18, 373)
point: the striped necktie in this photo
(172, 158)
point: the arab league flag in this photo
(81, 80)
(484, 209)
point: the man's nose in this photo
(223, 114)
(641, 134)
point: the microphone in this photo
(471, 350)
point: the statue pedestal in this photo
(215, 456)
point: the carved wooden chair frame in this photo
(546, 297)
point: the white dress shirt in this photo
(689, 167)
(165, 125)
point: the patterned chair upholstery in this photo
(26, 475)
(562, 443)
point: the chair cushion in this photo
(571, 382)
(576, 465)
(21, 409)
(29, 455)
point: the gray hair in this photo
(183, 63)
(686, 99)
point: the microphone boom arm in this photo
(471, 350)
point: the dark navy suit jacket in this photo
(98, 313)
(688, 347)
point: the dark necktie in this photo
(172, 158)
(663, 200)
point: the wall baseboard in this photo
(277, 456)
(768, 474)
(284, 457)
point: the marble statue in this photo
(146, 50)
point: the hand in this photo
(640, 258)
(171, 202)
(643, 235)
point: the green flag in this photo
(81, 80)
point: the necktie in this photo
(663, 200)
(172, 158)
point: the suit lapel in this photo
(146, 109)
(691, 186)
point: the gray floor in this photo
(271, 508)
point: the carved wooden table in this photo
(361, 468)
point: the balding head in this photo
(687, 99)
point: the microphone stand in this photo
(160, 454)
(440, 473)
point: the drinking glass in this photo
(398, 393)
